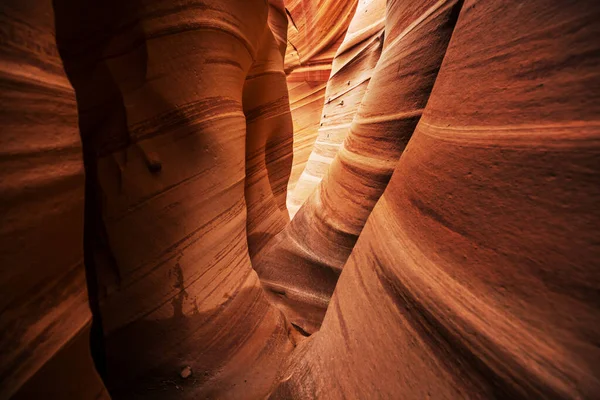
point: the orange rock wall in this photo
(450, 250)
(476, 275)
(44, 314)
(301, 266)
(269, 136)
(352, 68)
(315, 31)
(164, 132)
(166, 96)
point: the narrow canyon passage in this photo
(299, 199)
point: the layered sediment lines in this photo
(269, 136)
(351, 72)
(306, 87)
(160, 90)
(456, 226)
(300, 267)
(315, 31)
(476, 275)
(44, 314)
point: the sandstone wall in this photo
(476, 275)
(447, 247)
(45, 318)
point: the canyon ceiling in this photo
(322, 199)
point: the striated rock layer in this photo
(162, 89)
(461, 205)
(44, 314)
(315, 31)
(477, 274)
(352, 68)
(301, 266)
(269, 136)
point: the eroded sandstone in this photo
(445, 242)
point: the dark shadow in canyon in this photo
(221, 332)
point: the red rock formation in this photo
(316, 30)
(160, 89)
(477, 274)
(44, 313)
(269, 136)
(471, 272)
(301, 266)
(351, 72)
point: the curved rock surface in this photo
(351, 72)
(269, 136)
(300, 267)
(44, 314)
(459, 213)
(160, 88)
(477, 274)
(315, 31)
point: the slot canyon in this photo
(299, 199)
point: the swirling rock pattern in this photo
(269, 136)
(315, 29)
(315, 32)
(477, 273)
(351, 72)
(462, 204)
(307, 93)
(301, 266)
(160, 86)
(44, 317)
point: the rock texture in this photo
(44, 313)
(160, 88)
(351, 72)
(301, 266)
(316, 29)
(477, 274)
(459, 213)
(269, 135)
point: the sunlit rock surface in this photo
(351, 71)
(269, 136)
(301, 265)
(477, 274)
(315, 31)
(445, 244)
